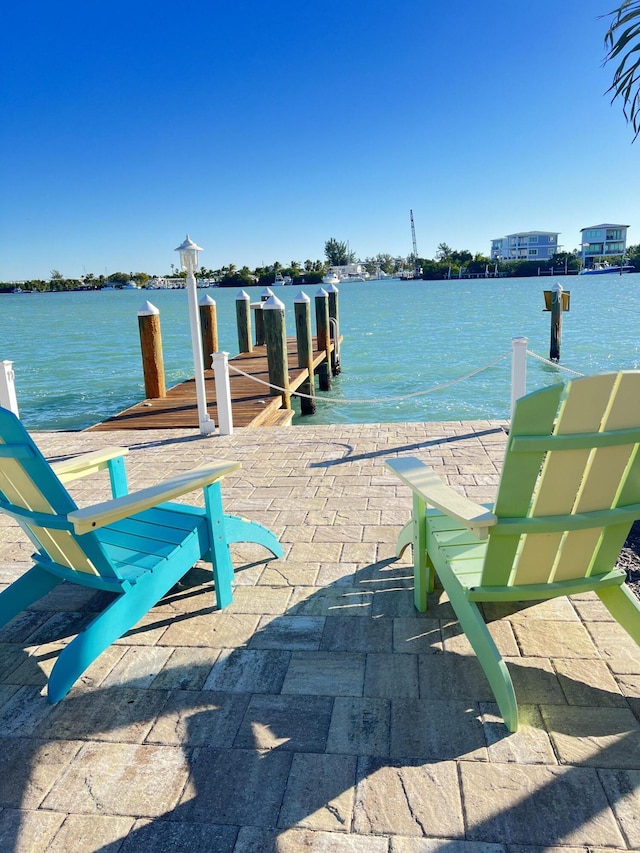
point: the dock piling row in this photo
(319, 355)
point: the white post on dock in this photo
(518, 369)
(189, 260)
(8, 399)
(220, 363)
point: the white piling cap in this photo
(147, 309)
(267, 292)
(557, 287)
(207, 300)
(331, 288)
(272, 304)
(321, 292)
(242, 294)
(302, 297)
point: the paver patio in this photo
(319, 711)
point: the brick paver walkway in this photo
(320, 711)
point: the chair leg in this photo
(490, 659)
(423, 574)
(28, 588)
(225, 529)
(219, 551)
(624, 607)
(109, 625)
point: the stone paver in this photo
(319, 713)
(513, 804)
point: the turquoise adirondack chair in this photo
(568, 494)
(136, 545)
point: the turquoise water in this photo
(76, 356)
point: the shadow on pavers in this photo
(350, 686)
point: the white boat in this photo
(331, 278)
(278, 281)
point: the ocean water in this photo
(76, 356)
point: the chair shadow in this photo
(279, 732)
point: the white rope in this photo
(380, 399)
(553, 363)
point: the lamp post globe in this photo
(189, 255)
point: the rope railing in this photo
(553, 363)
(395, 399)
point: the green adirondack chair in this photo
(568, 494)
(136, 545)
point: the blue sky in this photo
(263, 129)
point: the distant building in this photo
(525, 246)
(602, 241)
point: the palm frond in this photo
(622, 42)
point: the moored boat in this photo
(331, 278)
(604, 268)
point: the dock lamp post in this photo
(189, 262)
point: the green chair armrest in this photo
(425, 483)
(87, 463)
(103, 514)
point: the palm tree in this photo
(622, 41)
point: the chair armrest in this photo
(425, 483)
(87, 463)
(102, 514)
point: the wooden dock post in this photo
(276, 341)
(556, 300)
(260, 339)
(209, 328)
(334, 321)
(243, 318)
(151, 346)
(302, 308)
(324, 338)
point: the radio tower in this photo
(416, 271)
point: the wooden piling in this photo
(243, 319)
(304, 341)
(209, 329)
(151, 346)
(276, 343)
(323, 333)
(334, 321)
(260, 339)
(556, 322)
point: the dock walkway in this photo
(252, 403)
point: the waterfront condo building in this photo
(602, 241)
(525, 246)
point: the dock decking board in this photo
(252, 403)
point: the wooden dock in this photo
(252, 403)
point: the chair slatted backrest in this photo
(32, 493)
(571, 450)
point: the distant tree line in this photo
(448, 263)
